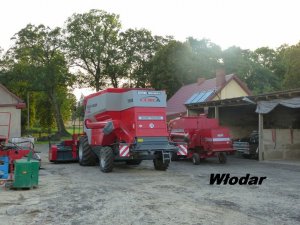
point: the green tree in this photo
(255, 68)
(279, 67)
(172, 67)
(139, 47)
(237, 61)
(41, 66)
(206, 56)
(261, 79)
(292, 65)
(265, 56)
(90, 41)
(273, 61)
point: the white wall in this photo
(15, 121)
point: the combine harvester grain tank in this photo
(122, 125)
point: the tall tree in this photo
(237, 60)
(265, 56)
(41, 65)
(292, 64)
(261, 79)
(206, 54)
(172, 67)
(279, 67)
(91, 39)
(139, 47)
(255, 68)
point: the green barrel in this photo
(26, 174)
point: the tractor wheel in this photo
(134, 162)
(106, 161)
(196, 159)
(222, 157)
(160, 165)
(86, 156)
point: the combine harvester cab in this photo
(203, 137)
(125, 125)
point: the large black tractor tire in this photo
(86, 156)
(196, 159)
(106, 160)
(134, 162)
(222, 157)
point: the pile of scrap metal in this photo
(15, 171)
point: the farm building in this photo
(276, 117)
(10, 113)
(221, 87)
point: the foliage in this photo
(139, 47)
(91, 41)
(237, 61)
(255, 68)
(292, 63)
(40, 66)
(171, 67)
(206, 56)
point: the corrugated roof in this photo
(248, 100)
(175, 104)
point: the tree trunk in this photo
(114, 81)
(97, 79)
(61, 129)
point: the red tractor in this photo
(203, 138)
(122, 125)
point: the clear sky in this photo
(245, 23)
(248, 24)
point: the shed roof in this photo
(254, 99)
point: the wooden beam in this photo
(216, 112)
(261, 136)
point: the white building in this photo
(10, 113)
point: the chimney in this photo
(200, 80)
(220, 77)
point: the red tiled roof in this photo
(175, 104)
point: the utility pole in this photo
(28, 112)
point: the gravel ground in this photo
(71, 194)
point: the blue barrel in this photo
(4, 165)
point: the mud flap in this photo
(182, 149)
(124, 150)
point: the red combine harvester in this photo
(122, 125)
(203, 137)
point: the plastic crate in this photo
(4, 165)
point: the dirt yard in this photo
(71, 194)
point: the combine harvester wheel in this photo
(85, 154)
